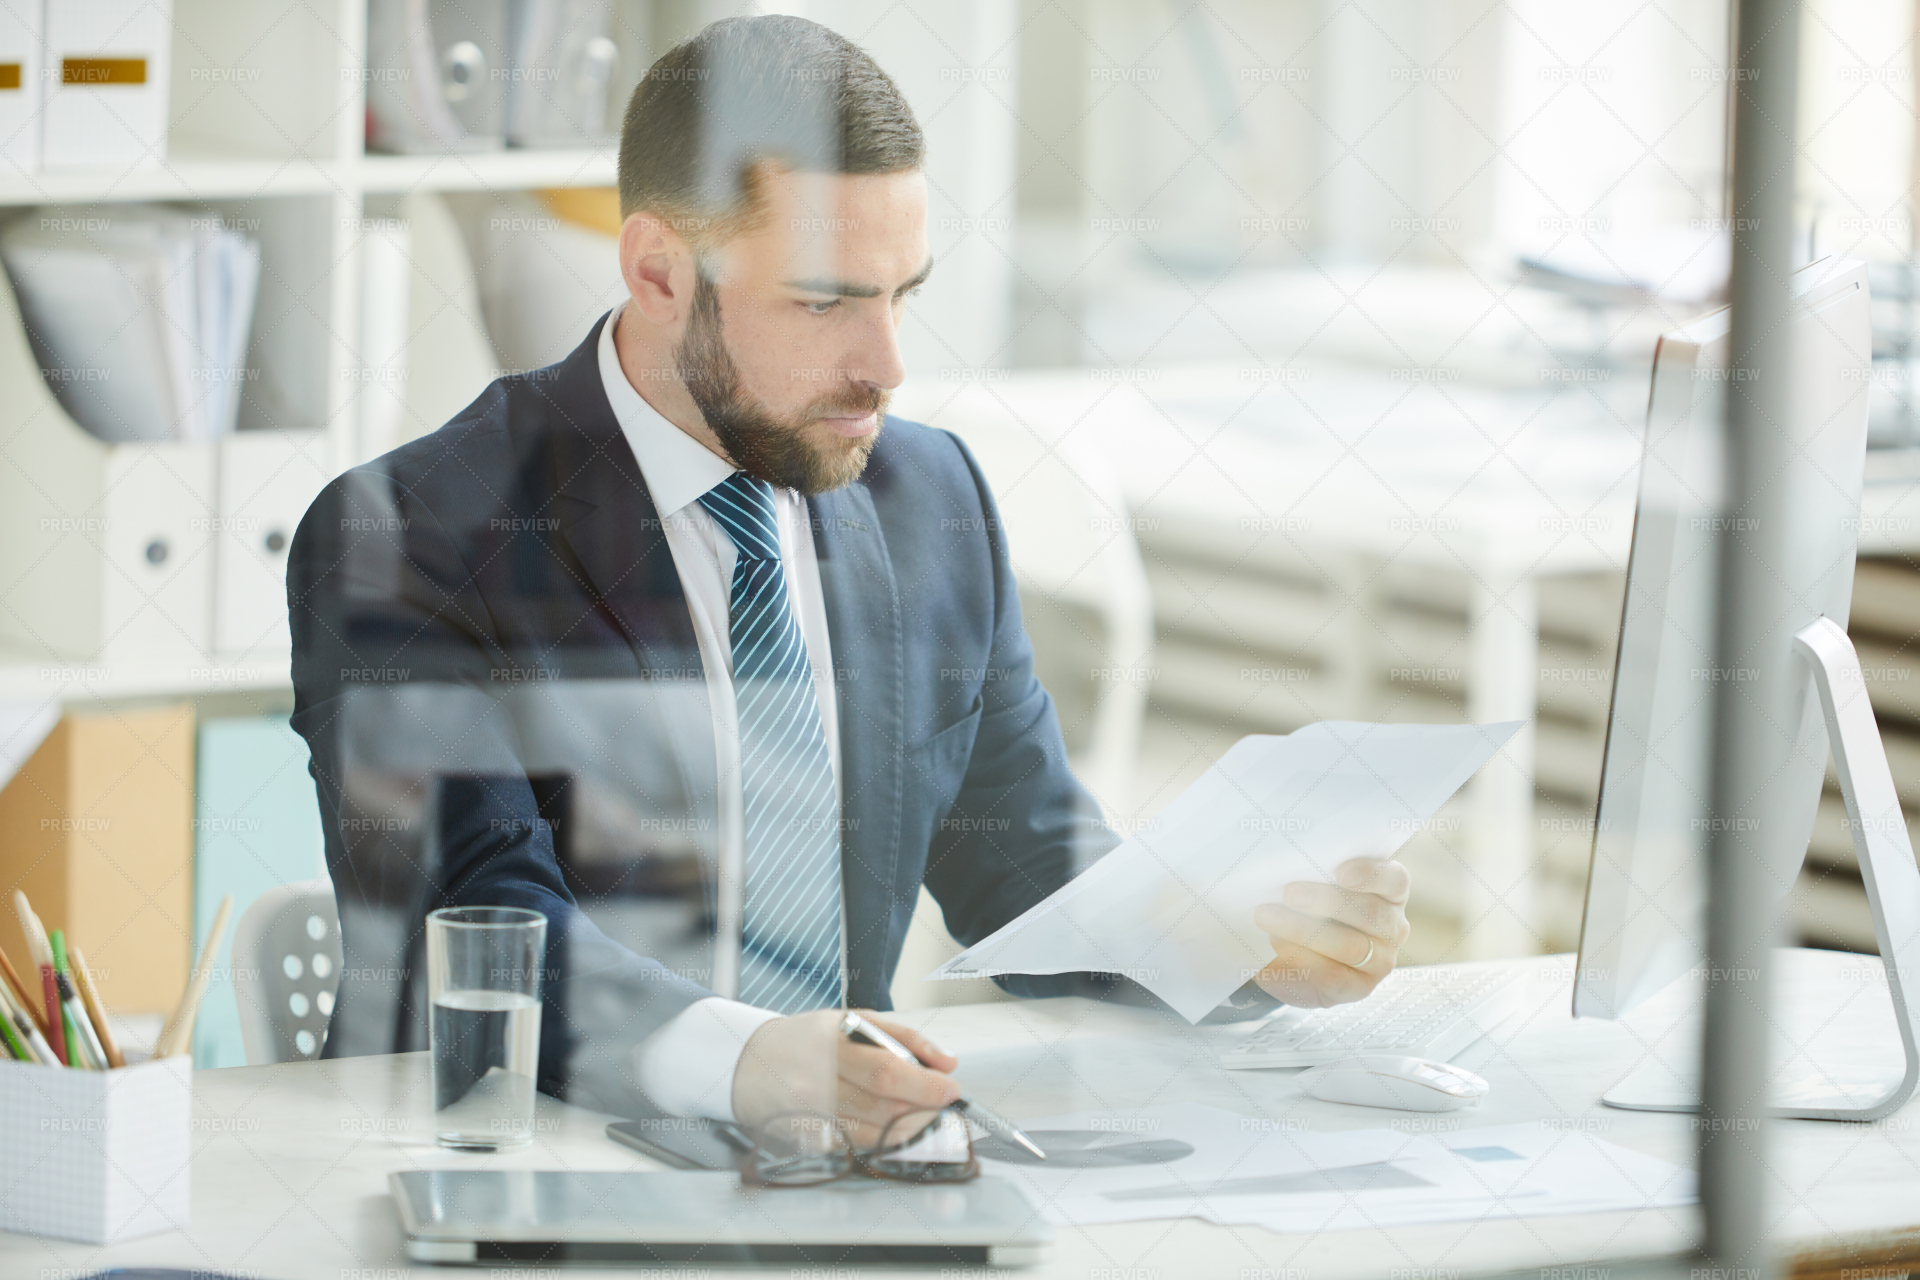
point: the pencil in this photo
(175, 1036)
(18, 988)
(83, 978)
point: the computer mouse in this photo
(1390, 1080)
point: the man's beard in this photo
(772, 449)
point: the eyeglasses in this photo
(802, 1149)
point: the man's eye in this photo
(820, 308)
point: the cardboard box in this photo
(97, 828)
(97, 1156)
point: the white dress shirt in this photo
(686, 1066)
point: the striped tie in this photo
(790, 928)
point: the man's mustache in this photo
(855, 402)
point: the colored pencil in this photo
(91, 995)
(19, 988)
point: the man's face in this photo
(792, 346)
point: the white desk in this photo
(290, 1162)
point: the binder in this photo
(109, 63)
(21, 31)
(140, 317)
(256, 826)
(559, 85)
(436, 75)
(268, 479)
(105, 549)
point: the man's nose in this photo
(875, 358)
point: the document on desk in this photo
(1192, 1161)
(1172, 906)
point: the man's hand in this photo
(803, 1063)
(1322, 933)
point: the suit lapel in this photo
(863, 621)
(608, 519)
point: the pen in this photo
(860, 1031)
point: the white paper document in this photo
(1172, 907)
(1191, 1161)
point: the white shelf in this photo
(25, 677)
(183, 177)
(202, 177)
(487, 171)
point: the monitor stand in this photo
(1864, 1081)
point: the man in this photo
(708, 492)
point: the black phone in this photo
(682, 1143)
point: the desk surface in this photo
(290, 1162)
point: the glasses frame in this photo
(856, 1162)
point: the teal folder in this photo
(256, 825)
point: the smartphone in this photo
(684, 1143)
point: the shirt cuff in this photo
(686, 1067)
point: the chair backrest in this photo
(286, 971)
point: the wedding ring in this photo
(1367, 957)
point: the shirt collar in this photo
(677, 468)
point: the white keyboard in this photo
(1431, 1011)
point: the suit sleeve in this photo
(422, 798)
(1021, 825)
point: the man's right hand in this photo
(803, 1063)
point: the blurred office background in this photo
(1306, 345)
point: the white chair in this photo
(286, 971)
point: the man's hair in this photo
(749, 91)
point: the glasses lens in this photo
(925, 1146)
(797, 1149)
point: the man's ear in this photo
(657, 264)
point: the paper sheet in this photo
(1276, 1173)
(1172, 907)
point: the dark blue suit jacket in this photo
(520, 538)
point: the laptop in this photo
(648, 1219)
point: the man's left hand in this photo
(1332, 943)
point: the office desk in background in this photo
(290, 1162)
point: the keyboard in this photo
(1429, 1011)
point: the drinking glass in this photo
(483, 983)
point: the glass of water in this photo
(483, 982)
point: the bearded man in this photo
(708, 494)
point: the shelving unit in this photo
(265, 128)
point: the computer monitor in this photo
(1644, 925)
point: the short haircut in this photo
(745, 92)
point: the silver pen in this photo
(860, 1031)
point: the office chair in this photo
(286, 970)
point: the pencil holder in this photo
(97, 1156)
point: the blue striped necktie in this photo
(790, 928)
